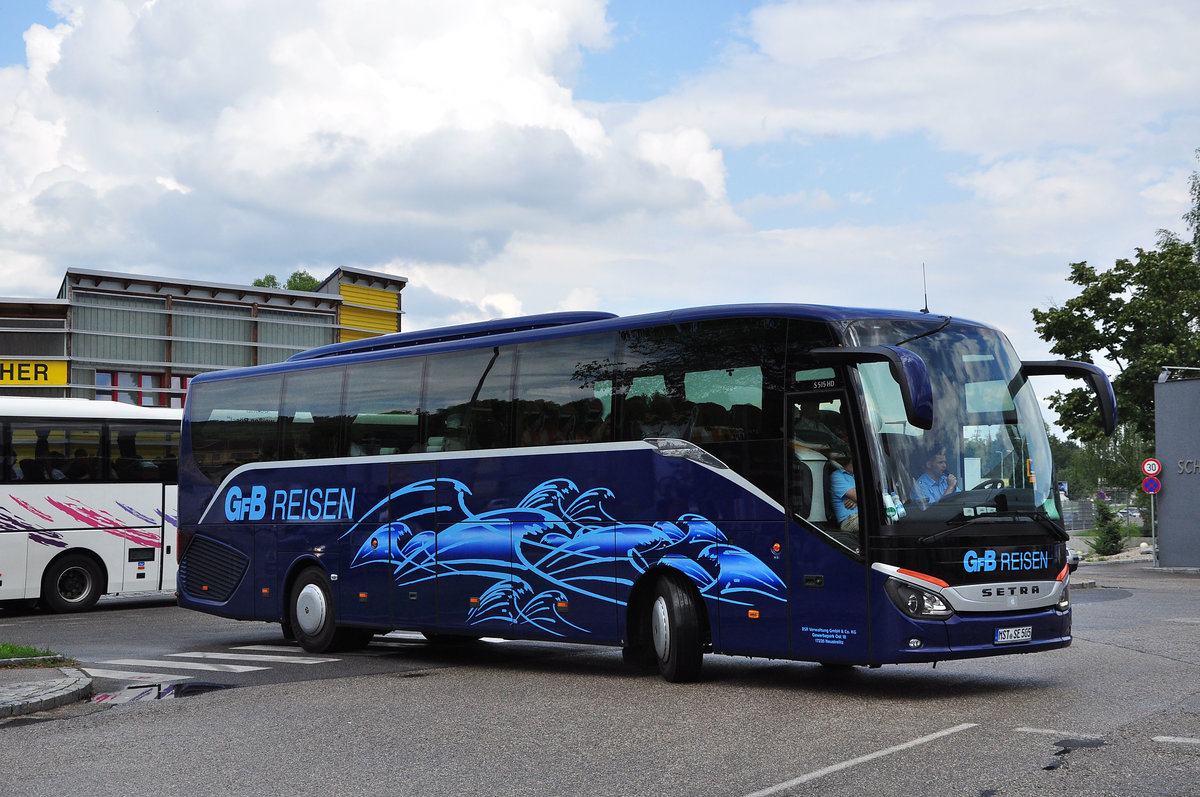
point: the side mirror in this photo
(1095, 378)
(908, 369)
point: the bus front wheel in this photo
(675, 632)
(72, 584)
(310, 611)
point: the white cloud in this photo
(988, 78)
(225, 137)
(443, 142)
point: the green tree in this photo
(300, 280)
(1109, 539)
(1109, 463)
(1192, 217)
(1140, 315)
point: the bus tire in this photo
(72, 584)
(310, 611)
(675, 632)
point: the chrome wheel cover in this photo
(660, 627)
(311, 609)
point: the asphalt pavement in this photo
(30, 689)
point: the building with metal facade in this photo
(139, 339)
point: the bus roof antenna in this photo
(925, 285)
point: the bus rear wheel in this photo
(310, 611)
(71, 584)
(675, 632)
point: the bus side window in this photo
(383, 407)
(311, 415)
(469, 400)
(38, 452)
(553, 410)
(235, 422)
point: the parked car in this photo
(1073, 557)
(1130, 513)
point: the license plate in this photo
(1022, 633)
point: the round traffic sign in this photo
(1151, 484)
(1151, 467)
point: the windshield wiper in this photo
(928, 332)
(1058, 531)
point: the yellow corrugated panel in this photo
(370, 297)
(375, 320)
(369, 310)
(353, 334)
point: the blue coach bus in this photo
(741, 479)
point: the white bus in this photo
(87, 500)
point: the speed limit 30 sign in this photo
(1151, 467)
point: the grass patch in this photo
(9, 651)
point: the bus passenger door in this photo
(828, 597)
(170, 537)
(148, 560)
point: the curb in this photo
(32, 696)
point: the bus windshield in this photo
(987, 456)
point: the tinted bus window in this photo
(235, 422)
(54, 451)
(383, 401)
(564, 391)
(144, 454)
(311, 418)
(469, 400)
(706, 382)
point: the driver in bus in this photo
(936, 483)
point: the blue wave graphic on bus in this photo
(556, 545)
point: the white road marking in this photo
(1059, 734)
(125, 675)
(1176, 740)
(829, 770)
(284, 659)
(187, 665)
(288, 646)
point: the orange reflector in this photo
(1066, 569)
(752, 614)
(923, 577)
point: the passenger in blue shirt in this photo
(844, 496)
(935, 483)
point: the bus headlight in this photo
(915, 602)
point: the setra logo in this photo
(251, 507)
(973, 562)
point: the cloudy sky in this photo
(534, 155)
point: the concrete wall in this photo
(1177, 441)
